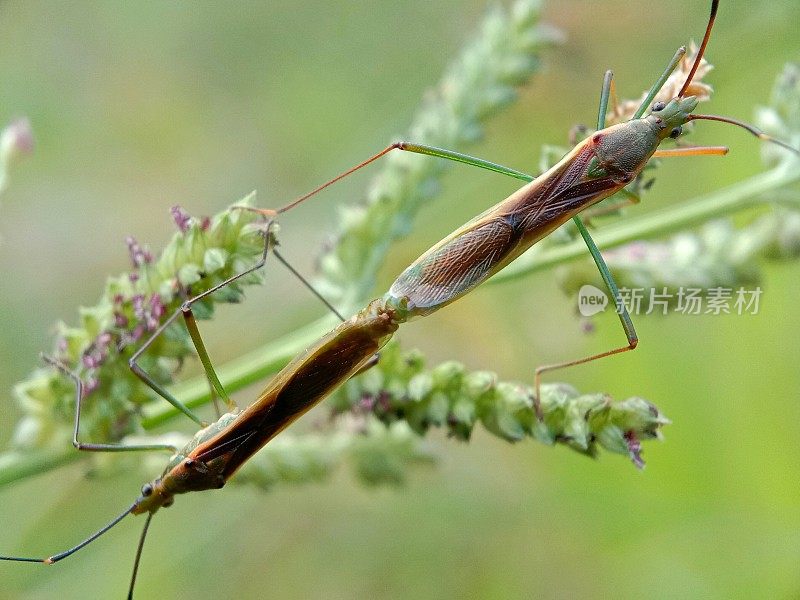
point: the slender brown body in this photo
(594, 170)
(219, 450)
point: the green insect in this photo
(596, 168)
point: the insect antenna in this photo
(754, 130)
(139, 555)
(701, 51)
(62, 555)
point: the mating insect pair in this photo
(596, 168)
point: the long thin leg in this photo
(49, 560)
(214, 401)
(691, 151)
(87, 447)
(602, 111)
(191, 325)
(622, 311)
(679, 54)
(407, 147)
(61, 555)
(138, 557)
(608, 279)
(307, 284)
(194, 332)
(153, 384)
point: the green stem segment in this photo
(15, 466)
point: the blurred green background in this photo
(139, 106)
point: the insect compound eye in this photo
(675, 133)
(147, 490)
(658, 106)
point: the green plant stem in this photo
(15, 466)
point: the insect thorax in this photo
(626, 148)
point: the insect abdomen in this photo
(455, 267)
